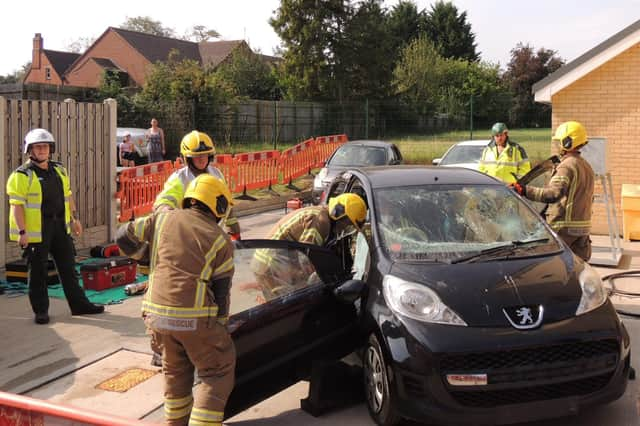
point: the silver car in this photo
(360, 153)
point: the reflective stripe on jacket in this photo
(189, 252)
(569, 194)
(174, 188)
(512, 159)
(23, 188)
(310, 225)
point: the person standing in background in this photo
(504, 158)
(155, 142)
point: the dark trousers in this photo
(56, 241)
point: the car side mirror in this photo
(436, 161)
(349, 291)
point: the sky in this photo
(570, 27)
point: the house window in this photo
(47, 72)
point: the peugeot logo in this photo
(524, 317)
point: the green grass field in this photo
(423, 149)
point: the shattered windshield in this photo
(441, 223)
(359, 155)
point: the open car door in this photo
(278, 336)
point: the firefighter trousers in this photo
(579, 245)
(210, 350)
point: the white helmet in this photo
(39, 136)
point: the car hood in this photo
(479, 292)
(331, 173)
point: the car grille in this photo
(534, 373)
(533, 393)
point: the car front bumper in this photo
(553, 371)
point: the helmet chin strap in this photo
(195, 170)
(35, 160)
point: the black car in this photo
(359, 153)
(465, 306)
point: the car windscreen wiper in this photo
(508, 247)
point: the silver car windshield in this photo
(358, 155)
(463, 154)
(446, 222)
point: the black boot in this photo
(88, 309)
(42, 318)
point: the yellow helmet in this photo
(349, 205)
(571, 135)
(212, 192)
(197, 143)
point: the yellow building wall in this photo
(607, 102)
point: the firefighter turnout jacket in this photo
(569, 194)
(189, 255)
(174, 188)
(512, 159)
(23, 188)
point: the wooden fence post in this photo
(111, 115)
(4, 140)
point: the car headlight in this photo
(418, 302)
(317, 182)
(593, 292)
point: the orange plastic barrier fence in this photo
(18, 410)
(297, 160)
(255, 170)
(224, 163)
(139, 187)
(325, 145)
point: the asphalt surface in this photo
(59, 361)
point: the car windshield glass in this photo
(463, 154)
(358, 155)
(446, 222)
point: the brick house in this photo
(601, 90)
(48, 66)
(128, 53)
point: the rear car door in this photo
(278, 336)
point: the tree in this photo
(311, 33)
(363, 66)
(405, 24)
(80, 44)
(145, 24)
(199, 33)
(250, 75)
(525, 68)
(417, 76)
(17, 76)
(450, 32)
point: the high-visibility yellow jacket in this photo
(23, 188)
(174, 188)
(569, 194)
(189, 254)
(512, 159)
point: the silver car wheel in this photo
(374, 375)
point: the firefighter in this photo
(569, 193)
(319, 225)
(42, 219)
(197, 151)
(187, 303)
(503, 158)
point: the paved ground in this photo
(33, 355)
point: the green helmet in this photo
(498, 128)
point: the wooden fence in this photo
(85, 143)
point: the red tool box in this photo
(17, 271)
(294, 204)
(108, 273)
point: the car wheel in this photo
(380, 395)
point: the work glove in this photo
(518, 188)
(235, 237)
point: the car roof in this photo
(475, 142)
(392, 176)
(366, 142)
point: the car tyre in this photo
(378, 390)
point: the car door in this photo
(276, 339)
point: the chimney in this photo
(37, 50)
